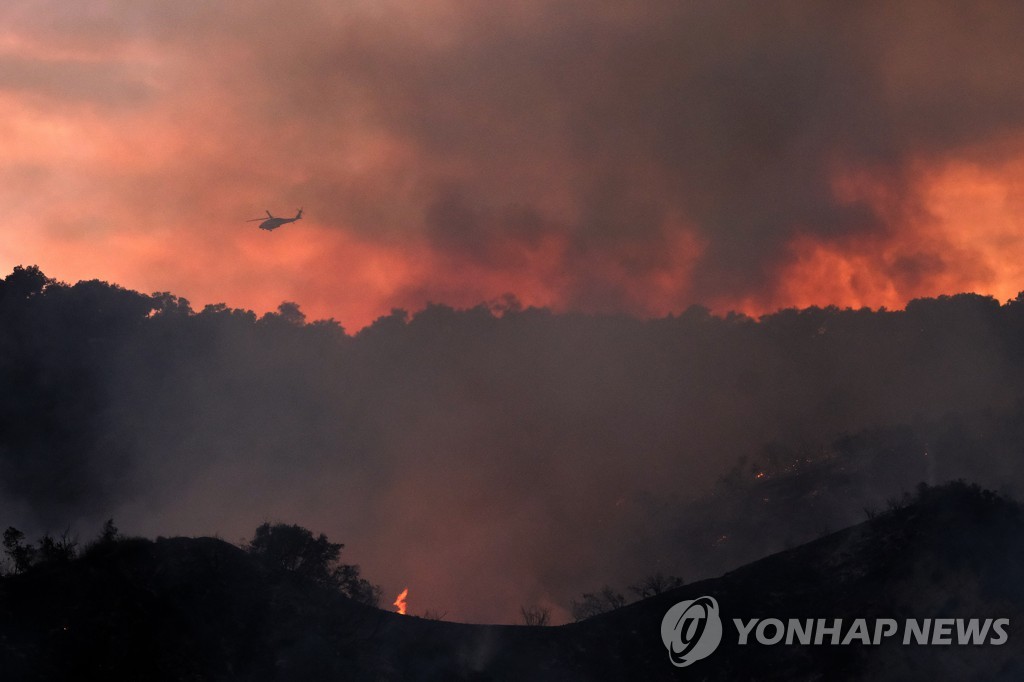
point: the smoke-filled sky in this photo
(595, 156)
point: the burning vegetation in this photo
(400, 601)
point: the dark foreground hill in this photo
(202, 609)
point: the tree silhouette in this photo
(109, 533)
(294, 549)
(596, 603)
(23, 283)
(20, 553)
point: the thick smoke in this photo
(591, 156)
(613, 131)
(490, 461)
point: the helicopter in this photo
(272, 223)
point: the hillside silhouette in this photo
(203, 609)
(580, 450)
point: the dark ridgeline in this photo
(202, 609)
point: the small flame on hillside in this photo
(400, 601)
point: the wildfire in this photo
(400, 601)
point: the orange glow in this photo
(964, 234)
(145, 180)
(400, 601)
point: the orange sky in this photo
(587, 155)
(578, 156)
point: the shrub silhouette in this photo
(535, 616)
(655, 584)
(60, 549)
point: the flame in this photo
(400, 601)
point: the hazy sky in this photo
(588, 156)
(600, 156)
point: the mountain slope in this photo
(202, 609)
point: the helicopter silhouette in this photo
(272, 223)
